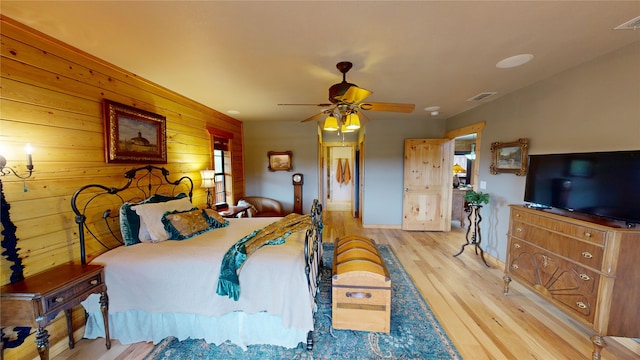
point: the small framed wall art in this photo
(279, 161)
(509, 157)
(133, 135)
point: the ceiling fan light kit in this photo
(353, 121)
(331, 123)
(344, 129)
(346, 99)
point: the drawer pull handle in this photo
(518, 229)
(587, 234)
(517, 246)
(515, 266)
(517, 215)
(59, 299)
(358, 295)
(94, 282)
(585, 277)
(587, 255)
(581, 305)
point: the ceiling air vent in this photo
(632, 24)
(482, 96)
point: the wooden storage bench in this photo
(360, 286)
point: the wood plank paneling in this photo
(51, 96)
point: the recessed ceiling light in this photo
(434, 110)
(233, 112)
(514, 61)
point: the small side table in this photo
(37, 299)
(474, 237)
(233, 211)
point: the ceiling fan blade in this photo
(354, 95)
(314, 117)
(318, 105)
(389, 107)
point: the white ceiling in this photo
(250, 56)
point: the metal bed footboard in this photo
(313, 257)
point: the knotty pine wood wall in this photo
(51, 96)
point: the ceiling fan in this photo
(346, 99)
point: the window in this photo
(218, 165)
(221, 161)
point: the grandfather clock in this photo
(297, 193)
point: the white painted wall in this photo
(384, 163)
(301, 139)
(593, 107)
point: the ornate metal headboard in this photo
(97, 206)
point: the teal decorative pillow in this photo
(130, 221)
(182, 225)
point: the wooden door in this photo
(428, 181)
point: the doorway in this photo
(340, 176)
(467, 150)
(473, 130)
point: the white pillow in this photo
(151, 217)
(143, 233)
(250, 212)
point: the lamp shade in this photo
(208, 178)
(345, 129)
(331, 123)
(457, 169)
(353, 122)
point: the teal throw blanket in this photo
(273, 234)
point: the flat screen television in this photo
(604, 184)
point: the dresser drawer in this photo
(64, 294)
(571, 285)
(586, 253)
(577, 231)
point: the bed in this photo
(160, 288)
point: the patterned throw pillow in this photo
(187, 223)
(216, 216)
(182, 225)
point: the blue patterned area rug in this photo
(415, 332)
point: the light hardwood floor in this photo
(465, 296)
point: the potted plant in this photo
(476, 198)
(474, 201)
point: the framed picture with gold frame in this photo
(509, 157)
(280, 161)
(133, 135)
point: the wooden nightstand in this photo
(36, 300)
(233, 211)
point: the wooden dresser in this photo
(586, 266)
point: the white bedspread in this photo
(180, 278)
